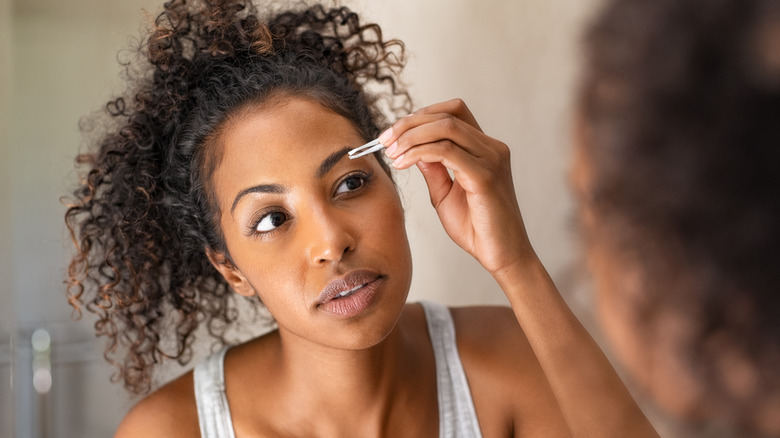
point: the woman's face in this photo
(304, 224)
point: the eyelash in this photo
(366, 177)
(255, 222)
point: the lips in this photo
(350, 295)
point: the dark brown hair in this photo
(143, 215)
(682, 104)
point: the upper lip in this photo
(349, 281)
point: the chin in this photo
(371, 327)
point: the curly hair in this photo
(143, 214)
(682, 99)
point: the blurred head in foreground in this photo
(677, 176)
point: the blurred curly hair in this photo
(681, 100)
(143, 214)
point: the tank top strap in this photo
(457, 415)
(213, 409)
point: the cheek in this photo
(389, 224)
(618, 290)
(617, 315)
(273, 274)
(268, 269)
(652, 349)
(383, 236)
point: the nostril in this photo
(330, 241)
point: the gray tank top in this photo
(457, 417)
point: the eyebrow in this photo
(262, 188)
(327, 164)
(331, 161)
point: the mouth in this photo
(347, 293)
(350, 295)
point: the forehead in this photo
(295, 128)
(279, 144)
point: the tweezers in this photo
(368, 148)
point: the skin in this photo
(479, 211)
(373, 374)
(654, 351)
(656, 364)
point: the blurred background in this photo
(513, 61)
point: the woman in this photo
(676, 172)
(227, 171)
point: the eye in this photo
(353, 183)
(270, 222)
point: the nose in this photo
(330, 237)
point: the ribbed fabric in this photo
(213, 409)
(457, 417)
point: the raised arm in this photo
(479, 211)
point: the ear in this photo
(230, 273)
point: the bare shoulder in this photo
(170, 411)
(490, 333)
(511, 393)
(494, 349)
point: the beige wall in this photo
(62, 65)
(6, 273)
(513, 61)
(7, 320)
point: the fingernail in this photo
(386, 136)
(389, 151)
(398, 161)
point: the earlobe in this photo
(230, 272)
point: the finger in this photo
(457, 107)
(389, 137)
(445, 127)
(437, 179)
(468, 170)
(453, 108)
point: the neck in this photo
(333, 392)
(348, 377)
